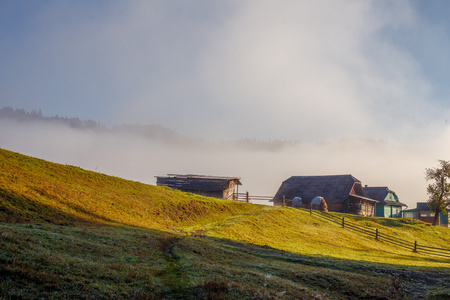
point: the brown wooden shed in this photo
(211, 186)
(342, 193)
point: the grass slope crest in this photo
(102, 236)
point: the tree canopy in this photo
(439, 188)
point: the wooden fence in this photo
(376, 234)
(246, 197)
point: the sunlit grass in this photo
(69, 194)
(33, 190)
(296, 231)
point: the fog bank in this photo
(262, 169)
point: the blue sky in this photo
(296, 70)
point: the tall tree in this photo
(439, 189)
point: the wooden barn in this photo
(342, 193)
(210, 186)
(388, 205)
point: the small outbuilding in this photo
(205, 185)
(425, 214)
(388, 205)
(342, 193)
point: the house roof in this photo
(392, 203)
(380, 193)
(422, 206)
(364, 198)
(332, 187)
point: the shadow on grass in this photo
(65, 261)
(268, 252)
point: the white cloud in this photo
(315, 69)
(303, 70)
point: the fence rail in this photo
(246, 197)
(374, 233)
(380, 236)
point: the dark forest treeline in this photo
(150, 132)
(165, 135)
(23, 115)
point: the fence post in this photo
(376, 234)
(310, 209)
(247, 197)
(415, 246)
(343, 222)
(284, 200)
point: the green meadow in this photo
(70, 233)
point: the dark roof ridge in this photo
(196, 176)
(378, 187)
(323, 176)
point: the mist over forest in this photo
(141, 152)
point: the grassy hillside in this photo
(33, 190)
(296, 231)
(67, 232)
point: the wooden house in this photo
(423, 213)
(342, 193)
(388, 205)
(210, 186)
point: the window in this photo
(426, 214)
(412, 215)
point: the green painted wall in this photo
(379, 211)
(444, 218)
(387, 211)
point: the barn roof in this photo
(204, 177)
(380, 193)
(332, 187)
(191, 182)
